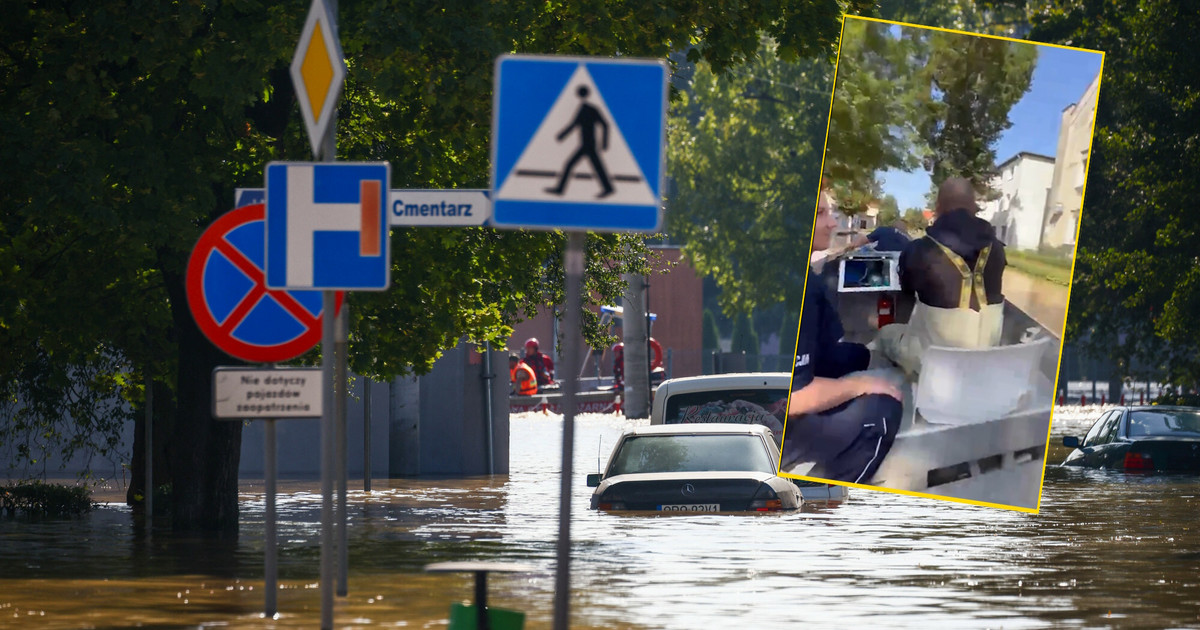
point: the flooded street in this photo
(1107, 550)
(1044, 301)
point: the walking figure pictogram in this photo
(587, 118)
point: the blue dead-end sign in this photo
(578, 143)
(327, 226)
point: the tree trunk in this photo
(204, 452)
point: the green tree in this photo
(889, 210)
(915, 218)
(907, 97)
(710, 337)
(969, 85)
(128, 124)
(1137, 282)
(874, 117)
(1010, 18)
(745, 163)
(745, 339)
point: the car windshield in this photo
(740, 406)
(691, 453)
(1165, 422)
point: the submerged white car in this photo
(753, 398)
(694, 468)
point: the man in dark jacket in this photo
(956, 272)
(927, 271)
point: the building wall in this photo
(1023, 184)
(1066, 190)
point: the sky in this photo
(1059, 79)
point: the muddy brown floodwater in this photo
(1107, 550)
(1044, 301)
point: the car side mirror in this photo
(593, 480)
(1071, 441)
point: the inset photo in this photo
(940, 264)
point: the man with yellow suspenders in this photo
(956, 272)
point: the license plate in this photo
(691, 507)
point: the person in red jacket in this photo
(543, 366)
(524, 382)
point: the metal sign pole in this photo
(367, 383)
(149, 433)
(573, 266)
(339, 409)
(327, 326)
(328, 332)
(270, 570)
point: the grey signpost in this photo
(232, 387)
(318, 72)
(577, 145)
(340, 394)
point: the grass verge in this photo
(1056, 270)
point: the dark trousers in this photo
(847, 442)
(843, 358)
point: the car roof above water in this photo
(728, 381)
(703, 427)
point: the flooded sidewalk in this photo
(1044, 301)
(1107, 550)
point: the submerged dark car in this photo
(1140, 439)
(694, 468)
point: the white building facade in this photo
(1070, 172)
(1018, 214)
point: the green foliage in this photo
(975, 81)
(1177, 397)
(787, 339)
(1053, 268)
(744, 145)
(876, 111)
(37, 498)
(745, 166)
(1009, 18)
(745, 339)
(129, 123)
(915, 218)
(918, 97)
(889, 210)
(710, 337)
(1137, 279)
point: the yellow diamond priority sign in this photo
(318, 72)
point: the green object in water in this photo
(462, 617)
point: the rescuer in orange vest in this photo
(524, 381)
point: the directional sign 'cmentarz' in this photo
(578, 143)
(462, 207)
(327, 226)
(414, 207)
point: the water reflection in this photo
(1104, 544)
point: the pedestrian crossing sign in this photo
(578, 143)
